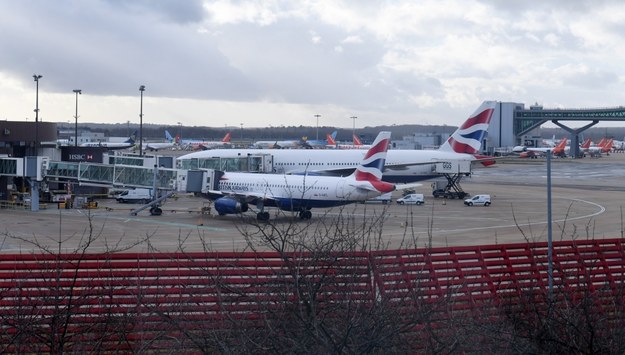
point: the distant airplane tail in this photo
(331, 138)
(586, 144)
(468, 138)
(356, 141)
(178, 139)
(168, 136)
(226, 138)
(607, 146)
(372, 166)
(561, 147)
(132, 138)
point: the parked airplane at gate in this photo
(130, 142)
(301, 193)
(401, 165)
(154, 146)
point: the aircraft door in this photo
(340, 189)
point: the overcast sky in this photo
(262, 63)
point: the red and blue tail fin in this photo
(468, 138)
(372, 165)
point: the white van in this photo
(136, 195)
(478, 200)
(384, 198)
(414, 199)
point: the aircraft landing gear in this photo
(262, 216)
(156, 211)
(305, 214)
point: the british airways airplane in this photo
(301, 193)
(402, 166)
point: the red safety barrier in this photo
(138, 301)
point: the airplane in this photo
(319, 143)
(530, 152)
(154, 146)
(604, 146)
(129, 143)
(402, 166)
(196, 144)
(301, 193)
(357, 144)
(285, 144)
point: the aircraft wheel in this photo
(305, 215)
(156, 211)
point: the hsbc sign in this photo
(84, 154)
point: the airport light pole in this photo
(78, 92)
(241, 133)
(141, 90)
(354, 127)
(37, 77)
(179, 130)
(317, 116)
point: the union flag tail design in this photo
(372, 165)
(468, 138)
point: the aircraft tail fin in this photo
(168, 136)
(372, 166)
(357, 141)
(607, 146)
(586, 144)
(559, 149)
(468, 138)
(331, 138)
(132, 138)
(226, 138)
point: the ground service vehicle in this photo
(478, 200)
(136, 195)
(384, 198)
(414, 199)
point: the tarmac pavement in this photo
(587, 203)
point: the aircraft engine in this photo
(229, 205)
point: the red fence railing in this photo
(131, 301)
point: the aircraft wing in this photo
(244, 196)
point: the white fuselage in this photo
(301, 190)
(159, 145)
(109, 145)
(292, 161)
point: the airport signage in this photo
(83, 154)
